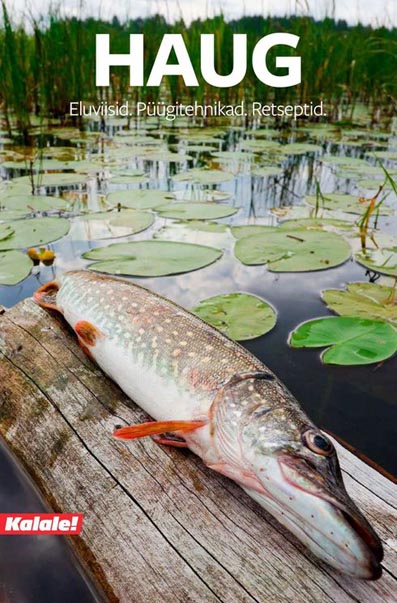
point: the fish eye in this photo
(317, 442)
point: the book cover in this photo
(198, 272)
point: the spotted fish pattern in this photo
(223, 403)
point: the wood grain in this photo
(159, 527)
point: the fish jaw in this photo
(330, 526)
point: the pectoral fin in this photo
(156, 427)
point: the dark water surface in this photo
(36, 569)
(358, 404)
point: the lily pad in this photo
(35, 203)
(350, 340)
(240, 316)
(240, 232)
(317, 224)
(260, 146)
(151, 258)
(265, 171)
(53, 180)
(300, 148)
(5, 232)
(366, 300)
(106, 225)
(146, 198)
(14, 267)
(239, 156)
(196, 211)
(346, 203)
(379, 260)
(203, 176)
(373, 184)
(37, 231)
(293, 251)
(199, 148)
(8, 215)
(167, 157)
(129, 179)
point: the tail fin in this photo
(46, 296)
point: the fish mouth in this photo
(320, 513)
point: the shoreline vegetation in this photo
(50, 61)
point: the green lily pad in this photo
(239, 232)
(264, 171)
(260, 146)
(373, 184)
(301, 212)
(196, 211)
(346, 203)
(8, 215)
(167, 157)
(53, 180)
(240, 316)
(132, 172)
(151, 258)
(29, 203)
(317, 224)
(14, 267)
(366, 300)
(106, 225)
(228, 156)
(37, 231)
(293, 251)
(145, 198)
(5, 232)
(379, 260)
(386, 155)
(300, 148)
(203, 176)
(350, 340)
(129, 179)
(199, 148)
(349, 163)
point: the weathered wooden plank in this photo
(158, 525)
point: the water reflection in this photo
(358, 404)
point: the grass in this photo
(52, 61)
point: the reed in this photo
(52, 61)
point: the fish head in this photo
(300, 483)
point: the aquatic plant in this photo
(52, 61)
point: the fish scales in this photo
(162, 337)
(225, 405)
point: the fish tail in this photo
(46, 296)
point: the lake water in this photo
(358, 404)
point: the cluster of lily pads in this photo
(322, 233)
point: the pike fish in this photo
(209, 394)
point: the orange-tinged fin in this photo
(156, 427)
(87, 332)
(46, 296)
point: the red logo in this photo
(20, 524)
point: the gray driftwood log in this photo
(159, 527)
